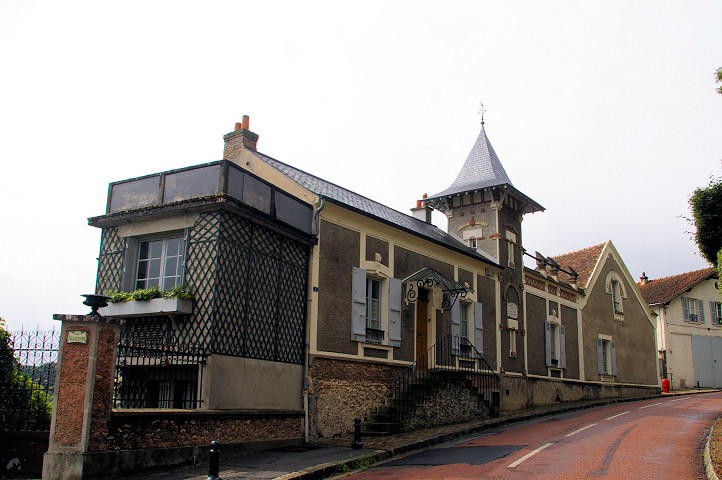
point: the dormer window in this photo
(472, 242)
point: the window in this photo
(375, 301)
(465, 320)
(606, 356)
(160, 263)
(511, 239)
(715, 309)
(617, 297)
(472, 242)
(693, 310)
(555, 339)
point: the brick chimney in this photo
(240, 137)
(422, 212)
(643, 280)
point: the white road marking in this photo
(677, 399)
(652, 405)
(583, 428)
(618, 415)
(525, 457)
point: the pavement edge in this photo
(708, 463)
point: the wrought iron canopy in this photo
(430, 278)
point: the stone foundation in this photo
(341, 390)
(449, 403)
(518, 393)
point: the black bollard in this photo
(357, 443)
(215, 457)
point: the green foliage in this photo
(140, 295)
(718, 75)
(24, 405)
(706, 204)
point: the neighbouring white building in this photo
(689, 330)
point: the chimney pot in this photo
(245, 122)
(643, 280)
(238, 126)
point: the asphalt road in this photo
(651, 439)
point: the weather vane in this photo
(481, 111)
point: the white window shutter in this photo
(455, 327)
(562, 348)
(358, 306)
(394, 312)
(600, 357)
(613, 359)
(478, 328)
(548, 343)
(685, 309)
(700, 305)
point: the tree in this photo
(718, 74)
(706, 204)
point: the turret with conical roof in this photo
(482, 205)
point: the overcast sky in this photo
(603, 112)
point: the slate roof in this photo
(371, 208)
(582, 261)
(482, 169)
(662, 290)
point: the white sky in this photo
(603, 112)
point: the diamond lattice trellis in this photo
(110, 262)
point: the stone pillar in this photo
(83, 396)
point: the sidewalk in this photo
(331, 457)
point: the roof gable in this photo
(662, 290)
(582, 261)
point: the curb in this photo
(709, 465)
(327, 470)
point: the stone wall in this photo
(168, 429)
(341, 390)
(450, 403)
(518, 393)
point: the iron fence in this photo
(158, 373)
(27, 378)
(451, 359)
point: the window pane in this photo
(156, 248)
(143, 250)
(171, 264)
(173, 245)
(154, 269)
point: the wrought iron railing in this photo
(152, 374)
(27, 378)
(451, 359)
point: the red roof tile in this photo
(582, 261)
(665, 289)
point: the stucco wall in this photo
(339, 253)
(569, 320)
(535, 318)
(634, 338)
(486, 295)
(235, 383)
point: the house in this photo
(689, 336)
(313, 304)
(616, 334)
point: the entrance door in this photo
(422, 322)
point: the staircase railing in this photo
(451, 357)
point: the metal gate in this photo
(27, 378)
(707, 361)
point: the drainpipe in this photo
(307, 346)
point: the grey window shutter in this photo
(685, 309)
(600, 357)
(562, 348)
(358, 305)
(548, 343)
(394, 312)
(478, 328)
(455, 327)
(713, 313)
(613, 359)
(700, 306)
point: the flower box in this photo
(148, 308)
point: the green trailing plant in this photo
(143, 294)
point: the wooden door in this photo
(422, 321)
